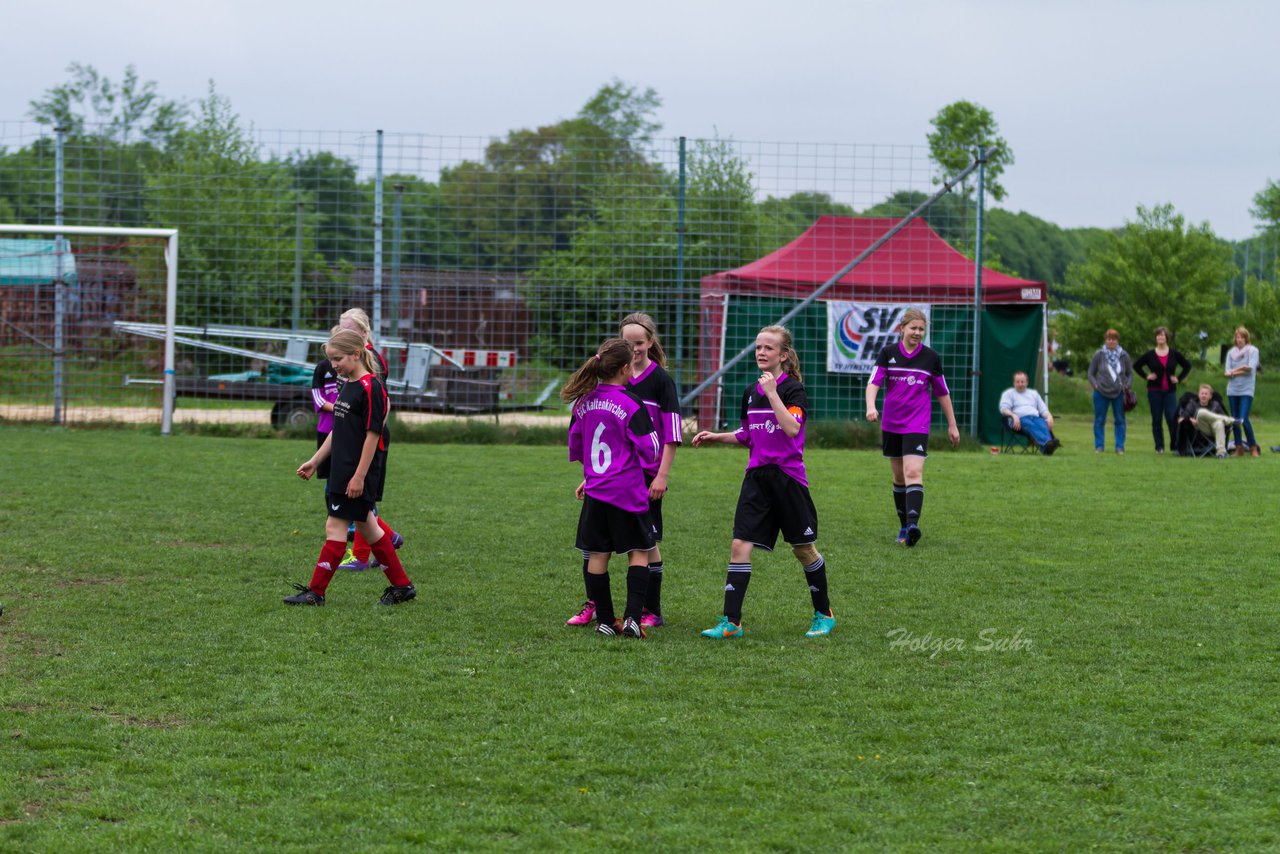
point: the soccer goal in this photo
(61, 298)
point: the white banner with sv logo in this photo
(858, 331)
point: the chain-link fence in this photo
(491, 265)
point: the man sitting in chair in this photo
(1206, 412)
(1026, 412)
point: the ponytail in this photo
(347, 342)
(613, 356)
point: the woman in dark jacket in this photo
(1163, 368)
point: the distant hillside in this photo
(1035, 249)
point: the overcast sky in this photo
(1107, 105)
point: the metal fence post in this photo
(976, 373)
(377, 243)
(296, 315)
(680, 229)
(393, 313)
(59, 282)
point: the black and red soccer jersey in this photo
(361, 409)
(377, 357)
(657, 391)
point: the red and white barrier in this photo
(482, 358)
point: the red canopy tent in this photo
(914, 266)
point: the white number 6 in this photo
(601, 456)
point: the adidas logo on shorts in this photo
(808, 532)
(920, 448)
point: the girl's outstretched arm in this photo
(322, 453)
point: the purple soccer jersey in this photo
(910, 382)
(764, 436)
(657, 391)
(324, 389)
(612, 436)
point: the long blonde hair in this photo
(788, 347)
(347, 342)
(357, 317)
(613, 355)
(645, 322)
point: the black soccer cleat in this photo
(611, 630)
(632, 629)
(913, 536)
(396, 595)
(304, 596)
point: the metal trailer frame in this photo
(411, 393)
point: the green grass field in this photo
(1081, 654)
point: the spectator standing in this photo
(1110, 373)
(1242, 378)
(1163, 368)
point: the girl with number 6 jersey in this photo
(654, 388)
(611, 434)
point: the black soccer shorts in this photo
(772, 501)
(603, 527)
(894, 445)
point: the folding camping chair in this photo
(1193, 443)
(1015, 441)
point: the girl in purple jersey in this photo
(912, 376)
(611, 435)
(651, 383)
(775, 492)
(324, 394)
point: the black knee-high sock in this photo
(586, 583)
(653, 598)
(598, 591)
(914, 502)
(816, 576)
(900, 503)
(637, 585)
(735, 590)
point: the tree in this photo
(622, 254)
(945, 216)
(1035, 249)
(535, 186)
(333, 202)
(1266, 207)
(237, 218)
(1156, 271)
(1261, 316)
(91, 104)
(782, 220)
(959, 129)
(623, 113)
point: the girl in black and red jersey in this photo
(356, 320)
(357, 452)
